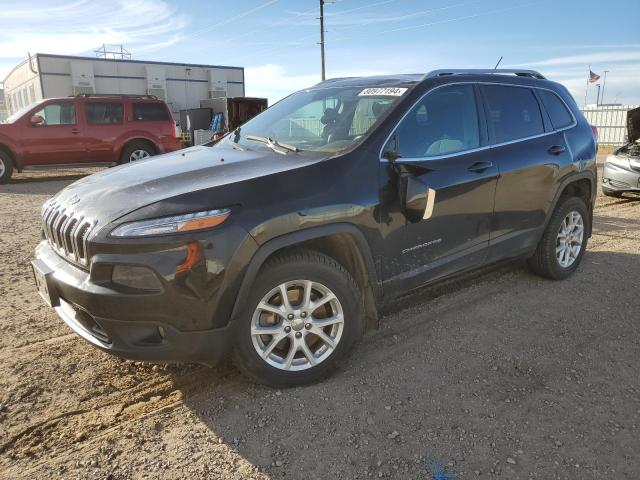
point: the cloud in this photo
(587, 59)
(275, 82)
(79, 26)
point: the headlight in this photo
(188, 222)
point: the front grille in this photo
(67, 232)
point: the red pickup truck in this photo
(85, 131)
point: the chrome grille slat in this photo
(67, 232)
(74, 238)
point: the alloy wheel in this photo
(138, 155)
(2, 167)
(569, 240)
(297, 325)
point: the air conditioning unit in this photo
(217, 83)
(82, 79)
(156, 81)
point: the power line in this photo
(439, 22)
(225, 22)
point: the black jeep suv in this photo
(279, 244)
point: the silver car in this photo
(622, 167)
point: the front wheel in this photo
(302, 318)
(6, 167)
(564, 241)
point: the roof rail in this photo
(499, 71)
(114, 95)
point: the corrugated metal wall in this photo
(611, 122)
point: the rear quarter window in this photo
(557, 110)
(150, 112)
(513, 113)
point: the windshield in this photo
(21, 112)
(327, 119)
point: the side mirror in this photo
(36, 120)
(413, 197)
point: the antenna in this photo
(496, 67)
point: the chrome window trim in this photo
(486, 147)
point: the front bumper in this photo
(129, 325)
(618, 175)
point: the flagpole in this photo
(586, 90)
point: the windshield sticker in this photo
(389, 92)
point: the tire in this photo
(611, 193)
(326, 277)
(136, 149)
(6, 167)
(545, 261)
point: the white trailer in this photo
(181, 85)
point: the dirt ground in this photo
(503, 375)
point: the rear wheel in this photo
(611, 193)
(6, 167)
(136, 151)
(564, 241)
(301, 320)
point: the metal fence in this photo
(611, 121)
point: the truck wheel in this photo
(136, 151)
(6, 167)
(302, 318)
(564, 241)
(611, 193)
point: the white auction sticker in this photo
(388, 91)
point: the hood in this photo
(633, 125)
(114, 192)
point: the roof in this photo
(413, 79)
(197, 65)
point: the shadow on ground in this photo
(499, 376)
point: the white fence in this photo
(611, 121)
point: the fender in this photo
(570, 178)
(293, 238)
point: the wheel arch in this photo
(148, 141)
(581, 185)
(343, 242)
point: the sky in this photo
(277, 40)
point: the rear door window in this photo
(513, 113)
(443, 122)
(106, 113)
(150, 112)
(557, 110)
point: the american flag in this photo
(593, 77)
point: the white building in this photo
(3, 106)
(181, 85)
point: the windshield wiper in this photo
(273, 144)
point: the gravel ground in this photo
(502, 375)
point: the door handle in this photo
(75, 131)
(556, 150)
(480, 167)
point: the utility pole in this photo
(322, 38)
(604, 83)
